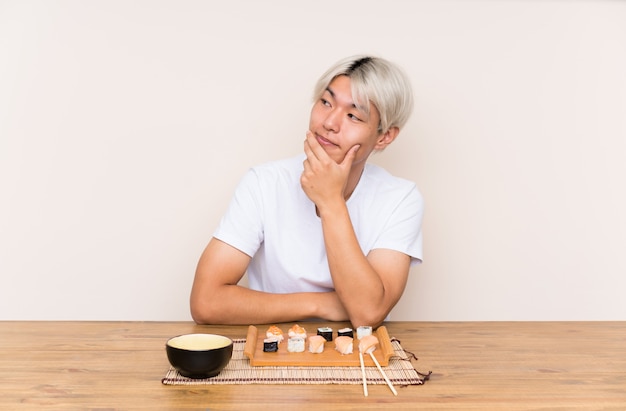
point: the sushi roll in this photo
(325, 332)
(295, 344)
(275, 332)
(344, 345)
(297, 331)
(363, 331)
(346, 331)
(316, 344)
(270, 345)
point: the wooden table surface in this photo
(476, 366)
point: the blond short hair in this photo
(374, 80)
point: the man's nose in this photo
(331, 123)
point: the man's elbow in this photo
(202, 313)
(197, 314)
(368, 319)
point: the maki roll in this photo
(325, 332)
(347, 332)
(270, 345)
(295, 344)
(363, 331)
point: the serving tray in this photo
(253, 349)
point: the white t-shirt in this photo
(271, 219)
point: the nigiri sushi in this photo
(368, 344)
(275, 332)
(344, 345)
(297, 331)
(316, 344)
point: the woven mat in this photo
(400, 371)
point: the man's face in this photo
(338, 124)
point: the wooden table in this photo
(476, 365)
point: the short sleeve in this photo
(403, 229)
(242, 224)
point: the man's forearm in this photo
(357, 284)
(233, 304)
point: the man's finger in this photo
(350, 156)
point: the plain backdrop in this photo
(126, 125)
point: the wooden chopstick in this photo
(363, 372)
(383, 373)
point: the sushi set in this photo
(318, 347)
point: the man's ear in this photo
(386, 138)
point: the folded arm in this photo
(369, 286)
(217, 299)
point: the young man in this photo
(323, 235)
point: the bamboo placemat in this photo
(400, 371)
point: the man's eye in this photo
(353, 117)
(324, 102)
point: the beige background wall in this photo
(125, 126)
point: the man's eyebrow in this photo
(332, 94)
